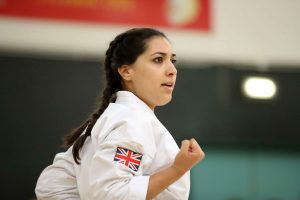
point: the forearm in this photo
(161, 180)
(190, 153)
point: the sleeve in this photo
(116, 170)
(178, 190)
(58, 180)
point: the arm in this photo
(119, 182)
(189, 155)
(111, 179)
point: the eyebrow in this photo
(164, 54)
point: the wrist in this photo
(177, 170)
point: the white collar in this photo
(128, 98)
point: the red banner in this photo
(183, 14)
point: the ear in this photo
(125, 72)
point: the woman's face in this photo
(152, 76)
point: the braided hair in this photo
(123, 50)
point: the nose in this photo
(172, 71)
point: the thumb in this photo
(185, 145)
(194, 146)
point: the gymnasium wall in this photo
(248, 144)
(50, 78)
(259, 32)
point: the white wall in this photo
(259, 32)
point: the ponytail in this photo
(77, 137)
(113, 84)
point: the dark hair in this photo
(124, 49)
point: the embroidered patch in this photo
(128, 158)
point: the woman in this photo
(123, 151)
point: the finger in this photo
(197, 149)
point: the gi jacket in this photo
(127, 145)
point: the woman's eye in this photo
(174, 61)
(158, 60)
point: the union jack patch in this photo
(128, 158)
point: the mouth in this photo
(168, 85)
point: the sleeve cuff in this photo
(139, 187)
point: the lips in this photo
(168, 84)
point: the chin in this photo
(165, 101)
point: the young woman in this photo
(123, 151)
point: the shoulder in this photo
(117, 114)
(123, 126)
(124, 122)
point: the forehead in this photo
(158, 44)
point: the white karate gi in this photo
(128, 123)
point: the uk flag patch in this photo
(128, 158)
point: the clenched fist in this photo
(189, 155)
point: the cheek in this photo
(149, 78)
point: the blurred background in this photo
(237, 93)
